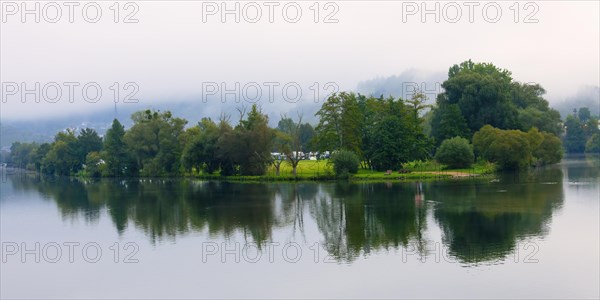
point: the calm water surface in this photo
(532, 235)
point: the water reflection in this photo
(479, 220)
(484, 222)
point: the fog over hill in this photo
(194, 108)
(401, 85)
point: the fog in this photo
(176, 52)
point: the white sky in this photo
(170, 52)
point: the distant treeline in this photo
(501, 120)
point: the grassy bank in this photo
(309, 170)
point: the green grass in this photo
(306, 169)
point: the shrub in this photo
(549, 151)
(455, 152)
(509, 149)
(345, 163)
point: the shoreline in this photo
(372, 177)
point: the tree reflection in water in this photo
(479, 220)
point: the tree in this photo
(509, 149)
(584, 114)
(339, 123)
(192, 149)
(247, 147)
(351, 124)
(94, 164)
(392, 136)
(593, 144)
(88, 141)
(292, 130)
(154, 142)
(307, 133)
(548, 120)
(482, 91)
(281, 144)
(225, 147)
(38, 156)
(575, 137)
(200, 147)
(421, 144)
(455, 152)
(345, 162)
(447, 122)
(63, 156)
(533, 109)
(115, 154)
(329, 130)
(21, 154)
(549, 150)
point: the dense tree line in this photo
(478, 94)
(582, 132)
(508, 122)
(515, 149)
(158, 144)
(383, 132)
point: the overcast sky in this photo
(170, 52)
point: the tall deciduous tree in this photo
(118, 161)
(329, 130)
(575, 137)
(248, 146)
(447, 122)
(482, 92)
(154, 141)
(292, 130)
(88, 141)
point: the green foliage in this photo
(510, 150)
(514, 149)
(549, 151)
(477, 94)
(388, 149)
(593, 144)
(289, 141)
(21, 154)
(455, 152)
(154, 141)
(94, 165)
(447, 121)
(63, 158)
(200, 143)
(38, 155)
(246, 149)
(345, 162)
(339, 123)
(581, 128)
(88, 141)
(534, 110)
(584, 114)
(548, 120)
(575, 137)
(307, 133)
(384, 133)
(118, 159)
(482, 92)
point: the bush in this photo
(509, 149)
(549, 150)
(345, 163)
(455, 152)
